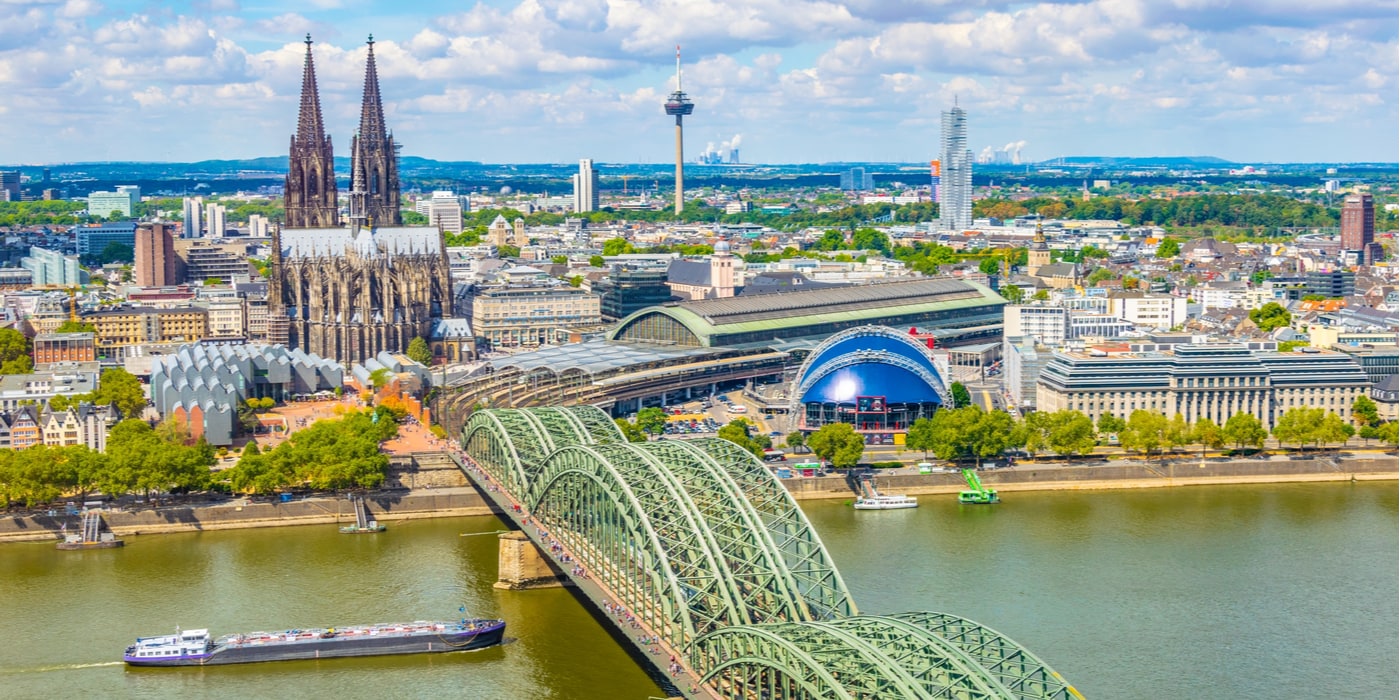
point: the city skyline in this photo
(532, 81)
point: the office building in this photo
(1048, 325)
(1359, 227)
(209, 260)
(955, 183)
(9, 185)
(1200, 381)
(119, 329)
(628, 290)
(509, 317)
(47, 267)
(193, 217)
(52, 348)
(155, 256)
(586, 187)
(443, 209)
(1331, 283)
(92, 239)
(122, 202)
(856, 179)
(217, 217)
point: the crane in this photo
(977, 493)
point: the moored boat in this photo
(198, 648)
(885, 502)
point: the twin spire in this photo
(311, 188)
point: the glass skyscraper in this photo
(955, 186)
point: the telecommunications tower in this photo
(679, 105)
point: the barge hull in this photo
(334, 647)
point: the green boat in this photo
(977, 494)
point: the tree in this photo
(796, 439)
(991, 435)
(1071, 433)
(20, 365)
(618, 246)
(378, 378)
(961, 397)
(1386, 432)
(1168, 248)
(559, 259)
(1244, 429)
(651, 420)
(1100, 275)
(597, 261)
(71, 326)
(1369, 433)
(630, 431)
(418, 351)
(1041, 295)
(1178, 432)
(1270, 317)
(13, 345)
(839, 444)
(954, 432)
(920, 436)
(115, 252)
(989, 266)
(1110, 424)
(1298, 425)
(1364, 411)
(1013, 294)
(576, 281)
(1332, 429)
(737, 432)
(1208, 435)
(120, 387)
(1146, 432)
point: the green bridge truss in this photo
(702, 543)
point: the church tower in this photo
(374, 165)
(310, 194)
(1039, 254)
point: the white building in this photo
(1220, 295)
(586, 187)
(258, 226)
(216, 214)
(1048, 325)
(443, 209)
(955, 182)
(193, 219)
(1152, 310)
(123, 201)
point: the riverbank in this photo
(429, 486)
(1137, 475)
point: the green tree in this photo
(559, 259)
(1146, 432)
(1386, 432)
(989, 266)
(1178, 432)
(1041, 295)
(920, 435)
(380, 377)
(1100, 275)
(1012, 293)
(1271, 316)
(13, 345)
(1364, 411)
(954, 432)
(1369, 433)
(122, 388)
(71, 326)
(1331, 430)
(839, 444)
(618, 246)
(737, 432)
(1110, 424)
(597, 261)
(961, 397)
(991, 435)
(630, 430)
(20, 365)
(1298, 425)
(1168, 248)
(508, 251)
(418, 351)
(651, 420)
(1071, 433)
(1243, 429)
(576, 281)
(1208, 435)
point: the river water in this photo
(1275, 591)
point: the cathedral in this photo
(350, 291)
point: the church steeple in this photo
(310, 194)
(374, 155)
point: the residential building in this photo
(9, 186)
(52, 348)
(48, 267)
(531, 316)
(119, 329)
(1332, 284)
(1220, 295)
(1047, 325)
(586, 187)
(193, 217)
(1200, 381)
(155, 256)
(20, 428)
(443, 209)
(37, 388)
(955, 185)
(211, 260)
(93, 239)
(122, 202)
(259, 226)
(1144, 309)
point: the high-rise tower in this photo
(374, 162)
(1358, 223)
(586, 187)
(679, 106)
(955, 184)
(310, 195)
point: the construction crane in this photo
(625, 178)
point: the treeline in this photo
(139, 459)
(328, 455)
(1240, 210)
(56, 212)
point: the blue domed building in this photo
(872, 377)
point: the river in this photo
(1274, 591)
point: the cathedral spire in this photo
(374, 157)
(310, 128)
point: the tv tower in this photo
(679, 105)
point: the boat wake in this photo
(58, 667)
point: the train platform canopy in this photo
(765, 319)
(595, 357)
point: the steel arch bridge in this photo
(703, 544)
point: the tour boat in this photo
(885, 502)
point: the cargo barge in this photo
(197, 648)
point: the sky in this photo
(795, 81)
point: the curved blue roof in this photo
(897, 345)
(896, 384)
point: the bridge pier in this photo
(522, 565)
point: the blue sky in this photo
(795, 80)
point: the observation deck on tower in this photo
(679, 105)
